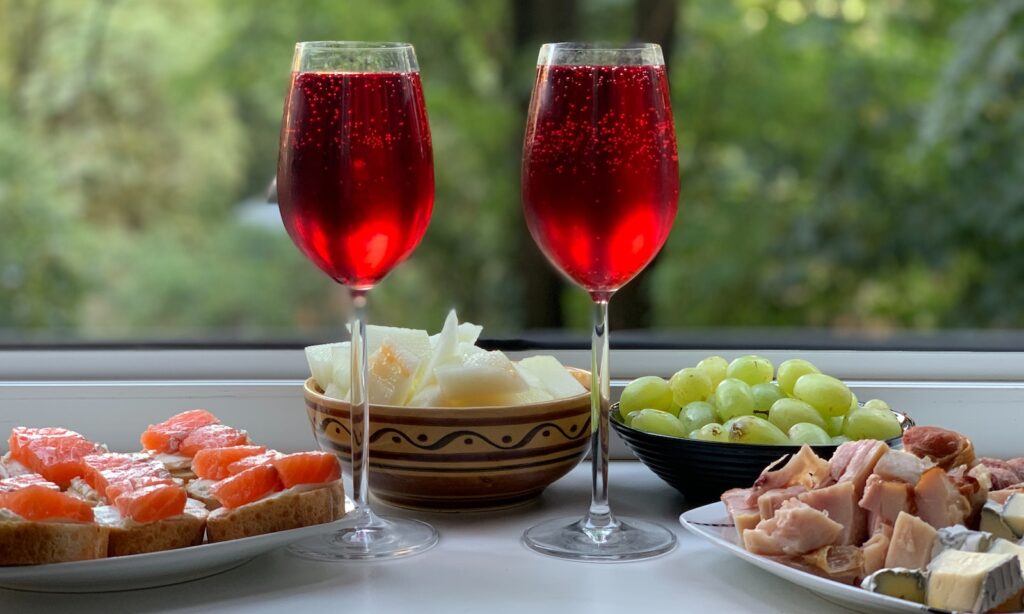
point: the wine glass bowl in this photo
(459, 459)
(355, 186)
(600, 188)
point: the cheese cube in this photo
(898, 582)
(992, 521)
(972, 581)
(959, 537)
(1013, 514)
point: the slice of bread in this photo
(279, 512)
(177, 532)
(199, 490)
(35, 543)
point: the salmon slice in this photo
(148, 500)
(52, 452)
(168, 436)
(248, 486)
(252, 461)
(307, 468)
(38, 503)
(18, 482)
(100, 471)
(213, 463)
(213, 436)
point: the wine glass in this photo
(600, 184)
(355, 182)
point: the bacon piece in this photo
(938, 500)
(911, 543)
(796, 528)
(947, 448)
(839, 502)
(884, 500)
(1001, 473)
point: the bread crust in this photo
(36, 543)
(279, 513)
(178, 532)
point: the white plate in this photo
(153, 568)
(712, 523)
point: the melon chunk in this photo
(321, 361)
(481, 379)
(552, 376)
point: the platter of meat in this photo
(923, 529)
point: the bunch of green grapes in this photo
(749, 401)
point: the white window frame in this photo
(112, 394)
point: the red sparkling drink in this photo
(355, 175)
(600, 170)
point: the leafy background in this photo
(846, 165)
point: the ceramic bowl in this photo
(702, 470)
(460, 458)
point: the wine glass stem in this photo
(360, 416)
(600, 515)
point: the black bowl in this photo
(703, 470)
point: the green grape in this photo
(839, 440)
(751, 429)
(854, 403)
(733, 398)
(649, 392)
(787, 412)
(877, 404)
(790, 371)
(834, 426)
(810, 434)
(697, 414)
(872, 423)
(751, 369)
(658, 422)
(764, 396)
(628, 418)
(710, 432)
(828, 395)
(689, 385)
(715, 367)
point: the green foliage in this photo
(843, 163)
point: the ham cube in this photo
(874, 552)
(743, 513)
(854, 461)
(884, 500)
(770, 501)
(805, 468)
(796, 528)
(902, 466)
(938, 500)
(839, 503)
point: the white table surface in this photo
(480, 566)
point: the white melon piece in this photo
(481, 379)
(333, 391)
(972, 581)
(443, 350)
(394, 370)
(553, 377)
(341, 368)
(375, 336)
(319, 358)
(428, 396)
(466, 349)
(469, 333)
(528, 396)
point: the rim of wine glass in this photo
(605, 53)
(352, 45)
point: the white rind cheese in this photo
(898, 582)
(959, 537)
(992, 521)
(972, 581)
(1013, 514)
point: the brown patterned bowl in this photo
(460, 458)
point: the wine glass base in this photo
(571, 538)
(382, 539)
